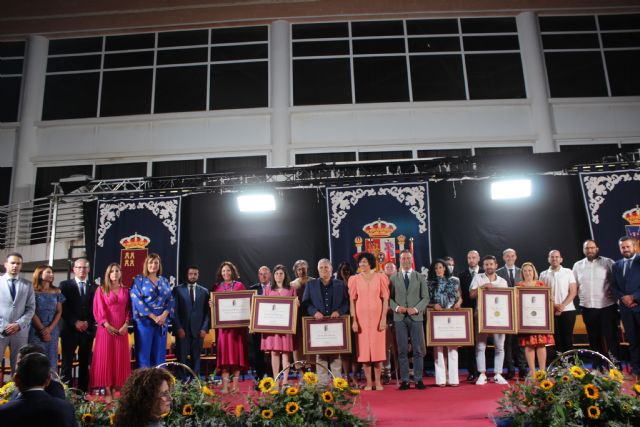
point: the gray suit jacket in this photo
(502, 272)
(416, 296)
(21, 309)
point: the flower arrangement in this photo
(572, 395)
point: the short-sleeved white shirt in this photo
(481, 279)
(594, 282)
(559, 282)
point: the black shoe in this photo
(404, 386)
(472, 378)
(420, 385)
(510, 375)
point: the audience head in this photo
(301, 268)
(555, 259)
(227, 272)
(280, 276)
(112, 275)
(509, 256)
(264, 275)
(28, 349)
(390, 268)
(366, 261)
(42, 273)
(81, 268)
(489, 264)
(529, 272)
(473, 258)
(438, 268)
(193, 274)
(13, 264)
(145, 397)
(152, 265)
(590, 249)
(344, 271)
(627, 246)
(33, 371)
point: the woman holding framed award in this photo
(369, 296)
(444, 293)
(534, 344)
(279, 345)
(231, 343)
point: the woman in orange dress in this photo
(534, 344)
(369, 296)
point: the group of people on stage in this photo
(396, 298)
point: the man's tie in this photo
(512, 280)
(473, 273)
(12, 288)
(192, 294)
(81, 286)
(406, 280)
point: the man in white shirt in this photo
(599, 311)
(487, 280)
(564, 288)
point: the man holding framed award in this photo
(488, 280)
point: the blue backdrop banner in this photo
(128, 230)
(381, 219)
(612, 199)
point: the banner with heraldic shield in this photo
(632, 216)
(132, 255)
(381, 243)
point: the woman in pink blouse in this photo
(111, 363)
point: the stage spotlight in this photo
(512, 189)
(256, 203)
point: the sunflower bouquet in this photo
(307, 404)
(572, 395)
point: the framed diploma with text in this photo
(231, 309)
(450, 327)
(326, 336)
(535, 310)
(274, 315)
(496, 311)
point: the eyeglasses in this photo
(165, 395)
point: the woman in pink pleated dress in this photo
(111, 363)
(279, 345)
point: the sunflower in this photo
(187, 410)
(266, 384)
(593, 412)
(87, 418)
(577, 372)
(568, 404)
(207, 391)
(7, 389)
(112, 419)
(173, 379)
(551, 398)
(267, 414)
(310, 377)
(3, 401)
(274, 391)
(239, 409)
(165, 415)
(292, 408)
(616, 375)
(340, 383)
(327, 396)
(591, 391)
(539, 375)
(565, 378)
(636, 388)
(354, 391)
(546, 385)
(329, 412)
(292, 391)
(626, 408)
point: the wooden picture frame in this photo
(326, 336)
(450, 327)
(273, 314)
(231, 309)
(534, 310)
(496, 311)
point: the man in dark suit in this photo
(34, 406)
(409, 297)
(190, 319)
(468, 354)
(626, 288)
(326, 297)
(256, 355)
(78, 323)
(513, 353)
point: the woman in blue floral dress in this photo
(44, 329)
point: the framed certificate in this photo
(496, 311)
(450, 327)
(275, 315)
(326, 336)
(231, 309)
(535, 310)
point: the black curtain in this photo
(213, 230)
(463, 217)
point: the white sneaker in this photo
(482, 379)
(499, 379)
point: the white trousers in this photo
(333, 363)
(441, 365)
(498, 358)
